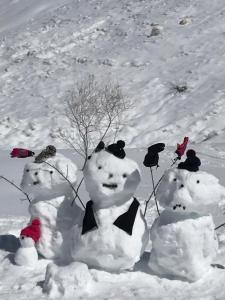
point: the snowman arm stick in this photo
(153, 185)
(77, 190)
(220, 226)
(13, 184)
(67, 181)
(153, 192)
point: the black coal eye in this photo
(27, 170)
(36, 173)
(198, 181)
(99, 167)
(89, 157)
(175, 179)
(22, 237)
(124, 175)
(51, 172)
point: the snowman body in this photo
(27, 254)
(114, 233)
(51, 203)
(184, 242)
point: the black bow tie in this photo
(125, 221)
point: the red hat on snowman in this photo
(33, 231)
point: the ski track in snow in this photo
(53, 45)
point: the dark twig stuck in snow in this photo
(178, 88)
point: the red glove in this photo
(182, 147)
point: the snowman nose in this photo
(110, 175)
(35, 182)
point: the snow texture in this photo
(47, 46)
(183, 245)
(111, 183)
(62, 281)
(51, 203)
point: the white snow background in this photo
(46, 46)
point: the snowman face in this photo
(110, 180)
(26, 242)
(43, 181)
(182, 190)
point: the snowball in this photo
(189, 191)
(66, 280)
(183, 245)
(110, 180)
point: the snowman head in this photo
(26, 241)
(111, 178)
(182, 190)
(44, 182)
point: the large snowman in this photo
(52, 215)
(114, 233)
(184, 242)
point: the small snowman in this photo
(113, 234)
(27, 254)
(46, 181)
(184, 242)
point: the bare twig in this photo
(220, 226)
(92, 109)
(154, 189)
(71, 185)
(18, 188)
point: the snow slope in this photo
(46, 46)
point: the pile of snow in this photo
(67, 280)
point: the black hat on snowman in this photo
(192, 162)
(117, 149)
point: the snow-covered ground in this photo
(46, 46)
(23, 283)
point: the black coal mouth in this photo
(110, 186)
(179, 206)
